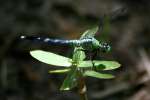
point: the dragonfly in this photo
(87, 41)
(76, 65)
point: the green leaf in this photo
(104, 65)
(90, 32)
(97, 75)
(59, 71)
(51, 58)
(70, 81)
(78, 55)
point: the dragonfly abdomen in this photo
(58, 41)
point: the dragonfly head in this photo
(104, 47)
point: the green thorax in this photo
(91, 45)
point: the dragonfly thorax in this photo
(94, 44)
(90, 44)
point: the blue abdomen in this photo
(58, 41)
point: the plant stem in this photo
(82, 90)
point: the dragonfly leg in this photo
(92, 57)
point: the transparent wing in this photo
(89, 33)
(51, 58)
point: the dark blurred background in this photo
(24, 78)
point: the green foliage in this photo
(59, 71)
(76, 67)
(51, 58)
(104, 65)
(78, 55)
(71, 80)
(97, 74)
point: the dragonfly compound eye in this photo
(105, 47)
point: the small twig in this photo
(82, 90)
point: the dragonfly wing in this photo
(51, 58)
(89, 33)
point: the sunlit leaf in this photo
(79, 54)
(59, 71)
(70, 81)
(51, 58)
(89, 33)
(104, 65)
(97, 75)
